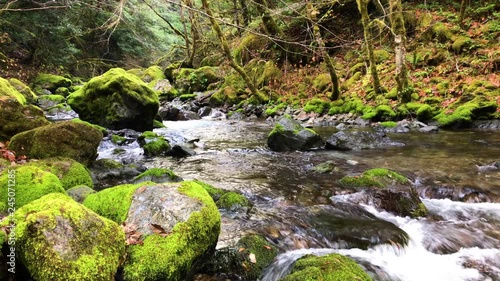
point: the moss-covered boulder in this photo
(401, 202)
(171, 229)
(23, 89)
(50, 82)
(333, 267)
(159, 175)
(70, 172)
(188, 80)
(378, 177)
(31, 183)
(113, 203)
(17, 118)
(462, 116)
(7, 90)
(288, 135)
(47, 101)
(153, 144)
(108, 172)
(152, 75)
(66, 139)
(59, 239)
(233, 201)
(116, 100)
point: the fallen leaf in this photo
(252, 258)
(158, 229)
(141, 189)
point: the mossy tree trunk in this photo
(462, 13)
(195, 31)
(398, 28)
(311, 14)
(270, 24)
(365, 20)
(244, 11)
(227, 52)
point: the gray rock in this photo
(429, 129)
(79, 193)
(357, 140)
(205, 111)
(180, 151)
(289, 135)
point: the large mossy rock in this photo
(7, 90)
(289, 135)
(188, 80)
(116, 100)
(16, 118)
(171, 227)
(70, 172)
(59, 239)
(50, 82)
(67, 139)
(378, 177)
(189, 223)
(23, 89)
(31, 183)
(333, 267)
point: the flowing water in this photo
(304, 212)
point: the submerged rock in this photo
(107, 172)
(159, 175)
(332, 267)
(288, 135)
(357, 140)
(247, 259)
(67, 139)
(116, 100)
(59, 239)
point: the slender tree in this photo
(227, 52)
(365, 20)
(311, 14)
(270, 24)
(399, 31)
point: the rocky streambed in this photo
(300, 206)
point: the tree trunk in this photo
(227, 52)
(311, 13)
(398, 28)
(270, 25)
(462, 13)
(246, 14)
(365, 20)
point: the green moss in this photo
(389, 124)
(53, 98)
(425, 113)
(317, 105)
(116, 139)
(23, 89)
(322, 81)
(158, 175)
(113, 203)
(325, 167)
(333, 267)
(381, 56)
(80, 192)
(186, 97)
(103, 130)
(92, 247)
(171, 257)
(66, 139)
(69, 172)
(270, 73)
(272, 110)
(464, 114)
(153, 144)
(441, 32)
(462, 44)
(249, 44)
(420, 212)
(17, 118)
(50, 82)
(232, 200)
(31, 183)
(214, 192)
(381, 112)
(62, 91)
(374, 178)
(104, 99)
(7, 90)
(152, 74)
(157, 124)
(263, 252)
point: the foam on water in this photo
(414, 262)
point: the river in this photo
(458, 240)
